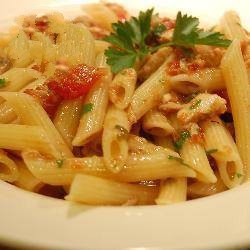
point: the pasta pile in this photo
(173, 127)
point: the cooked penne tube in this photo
(91, 122)
(76, 44)
(164, 141)
(98, 191)
(103, 16)
(122, 88)
(237, 84)
(148, 94)
(30, 112)
(100, 46)
(219, 140)
(155, 123)
(67, 119)
(18, 78)
(231, 26)
(209, 79)
(201, 189)
(24, 136)
(26, 180)
(7, 114)
(172, 191)
(8, 169)
(195, 156)
(114, 139)
(138, 168)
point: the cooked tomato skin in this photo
(74, 83)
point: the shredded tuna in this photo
(201, 107)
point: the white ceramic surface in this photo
(33, 221)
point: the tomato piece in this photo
(75, 82)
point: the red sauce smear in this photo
(76, 82)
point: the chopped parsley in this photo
(2, 82)
(211, 151)
(88, 107)
(123, 132)
(59, 163)
(129, 38)
(239, 175)
(184, 135)
(171, 157)
(196, 104)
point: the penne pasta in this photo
(122, 88)
(147, 95)
(114, 139)
(235, 74)
(8, 169)
(155, 123)
(231, 26)
(97, 191)
(172, 191)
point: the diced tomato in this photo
(76, 82)
(174, 68)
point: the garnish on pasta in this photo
(129, 38)
(2, 82)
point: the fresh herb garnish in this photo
(2, 82)
(238, 175)
(211, 151)
(129, 38)
(196, 104)
(88, 107)
(123, 132)
(159, 29)
(183, 137)
(171, 157)
(59, 163)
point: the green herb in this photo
(2, 82)
(59, 163)
(129, 38)
(122, 131)
(171, 157)
(211, 151)
(183, 137)
(239, 175)
(196, 104)
(88, 107)
(159, 29)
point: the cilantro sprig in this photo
(129, 38)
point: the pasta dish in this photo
(113, 109)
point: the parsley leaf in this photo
(186, 33)
(183, 137)
(59, 163)
(129, 38)
(2, 82)
(171, 157)
(88, 107)
(239, 175)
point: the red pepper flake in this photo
(75, 82)
(174, 68)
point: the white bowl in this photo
(33, 221)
